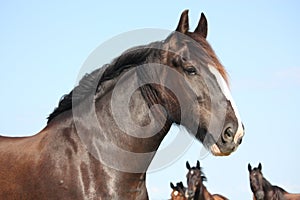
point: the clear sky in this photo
(44, 44)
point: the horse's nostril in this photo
(229, 133)
(240, 141)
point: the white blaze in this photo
(224, 87)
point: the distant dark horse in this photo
(263, 190)
(102, 137)
(178, 191)
(196, 190)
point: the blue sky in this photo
(43, 46)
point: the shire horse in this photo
(263, 190)
(178, 191)
(196, 190)
(106, 131)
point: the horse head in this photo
(256, 181)
(195, 178)
(178, 192)
(193, 86)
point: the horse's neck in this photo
(119, 114)
(280, 193)
(202, 193)
(130, 116)
(276, 192)
(273, 192)
(120, 134)
(267, 186)
(206, 194)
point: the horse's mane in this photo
(277, 191)
(266, 183)
(203, 177)
(90, 83)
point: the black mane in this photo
(269, 187)
(90, 83)
(203, 177)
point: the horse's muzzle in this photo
(189, 194)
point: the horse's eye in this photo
(190, 70)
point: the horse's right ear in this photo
(198, 164)
(183, 25)
(259, 166)
(188, 165)
(202, 26)
(172, 186)
(180, 184)
(249, 167)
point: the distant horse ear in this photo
(172, 186)
(183, 25)
(202, 26)
(188, 165)
(259, 166)
(198, 164)
(180, 184)
(249, 167)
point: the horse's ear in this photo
(198, 164)
(180, 184)
(249, 167)
(188, 165)
(259, 166)
(202, 26)
(183, 25)
(172, 186)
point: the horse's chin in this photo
(215, 150)
(189, 196)
(210, 143)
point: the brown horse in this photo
(263, 190)
(178, 191)
(102, 137)
(196, 190)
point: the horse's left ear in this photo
(202, 26)
(188, 165)
(259, 166)
(183, 25)
(249, 167)
(172, 185)
(180, 184)
(198, 164)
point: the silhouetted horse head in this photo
(256, 181)
(178, 192)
